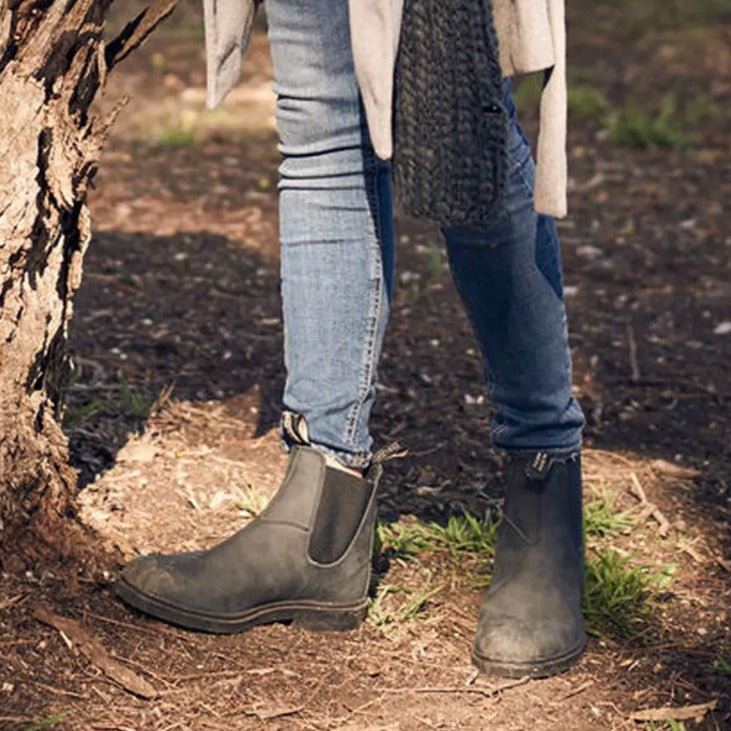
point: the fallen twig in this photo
(681, 713)
(686, 547)
(575, 691)
(75, 634)
(487, 692)
(60, 691)
(266, 715)
(649, 509)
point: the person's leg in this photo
(509, 276)
(336, 228)
(307, 557)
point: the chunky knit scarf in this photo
(450, 125)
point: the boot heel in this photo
(330, 620)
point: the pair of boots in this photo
(307, 559)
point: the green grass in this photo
(669, 725)
(661, 122)
(177, 137)
(47, 722)
(701, 110)
(601, 517)
(75, 416)
(436, 262)
(586, 101)
(628, 19)
(646, 126)
(722, 665)
(129, 403)
(393, 606)
(252, 502)
(133, 403)
(644, 123)
(462, 534)
(674, 119)
(618, 594)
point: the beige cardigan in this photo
(531, 37)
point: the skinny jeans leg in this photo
(508, 274)
(336, 228)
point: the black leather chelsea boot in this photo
(531, 623)
(306, 559)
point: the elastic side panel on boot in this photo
(343, 502)
(523, 503)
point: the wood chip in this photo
(91, 647)
(681, 713)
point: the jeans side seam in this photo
(370, 172)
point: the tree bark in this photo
(53, 65)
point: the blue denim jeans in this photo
(337, 243)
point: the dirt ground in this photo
(178, 372)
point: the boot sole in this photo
(311, 615)
(536, 669)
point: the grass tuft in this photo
(587, 102)
(643, 126)
(462, 534)
(387, 612)
(722, 665)
(133, 403)
(177, 137)
(618, 594)
(251, 502)
(602, 518)
(669, 725)
(130, 404)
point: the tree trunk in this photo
(53, 65)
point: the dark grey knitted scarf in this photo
(450, 125)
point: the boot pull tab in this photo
(295, 428)
(538, 467)
(391, 451)
(375, 469)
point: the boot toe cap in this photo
(155, 575)
(513, 640)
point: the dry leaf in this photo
(91, 647)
